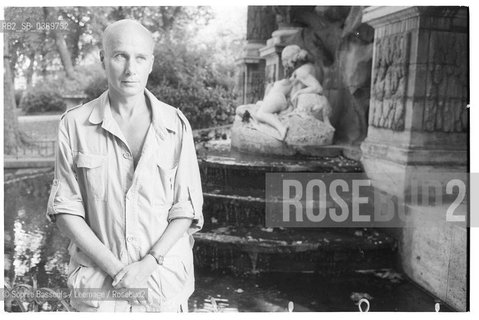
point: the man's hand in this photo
(78, 231)
(135, 275)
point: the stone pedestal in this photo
(418, 123)
(250, 74)
(249, 84)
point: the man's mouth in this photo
(127, 82)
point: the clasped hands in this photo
(135, 276)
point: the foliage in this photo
(39, 48)
(165, 22)
(203, 107)
(85, 25)
(46, 95)
(66, 86)
(184, 76)
(18, 97)
(39, 51)
(39, 100)
(95, 88)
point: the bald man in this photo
(127, 189)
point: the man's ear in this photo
(102, 58)
(152, 62)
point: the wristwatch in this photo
(158, 257)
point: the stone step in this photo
(248, 172)
(321, 251)
(224, 209)
(236, 208)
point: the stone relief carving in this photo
(389, 84)
(447, 83)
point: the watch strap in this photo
(159, 258)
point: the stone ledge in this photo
(29, 163)
(413, 156)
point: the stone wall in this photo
(418, 123)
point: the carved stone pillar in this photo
(250, 75)
(251, 67)
(418, 123)
(419, 90)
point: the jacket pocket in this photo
(165, 184)
(92, 170)
(172, 277)
(83, 281)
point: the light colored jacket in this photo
(127, 208)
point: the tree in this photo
(24, 46)
(51, 14)
(85, 26)
(164, 21)
(12, 135)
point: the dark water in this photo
(35, 252)
(34, 248)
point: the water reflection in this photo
(35, 251)
(27, 246)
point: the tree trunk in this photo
(30, 69)
(64, 54)
(29, 77)
(62, 48)
(12, 136)
(13, 62)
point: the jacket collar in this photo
(164, 117)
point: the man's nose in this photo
(130, 67)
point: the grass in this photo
(40, 130)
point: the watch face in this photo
(160, 259)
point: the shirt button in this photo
(129, 238)
(126, 155)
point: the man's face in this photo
(128, 61)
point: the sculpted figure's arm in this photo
(305, 75)
(65, 206)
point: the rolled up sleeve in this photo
(188, 194)
(65, 196)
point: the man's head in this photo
(127, 57)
